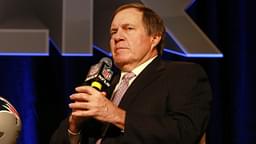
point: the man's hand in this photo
(89, 102)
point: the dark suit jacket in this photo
(168, 103)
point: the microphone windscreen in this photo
(100, 74)
(107, 60)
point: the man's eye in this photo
(130, 28)
(112, 32)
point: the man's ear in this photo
(155, 40)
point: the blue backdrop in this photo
(39, 86)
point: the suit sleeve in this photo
(90, 132)
(186, 110)
(61, 136)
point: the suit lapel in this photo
(113, 84)
(147, 76)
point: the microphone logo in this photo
(107, 73)
(100, 74)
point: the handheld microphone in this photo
(100, 74)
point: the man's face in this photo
(130, 44)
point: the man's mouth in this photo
(120, 48)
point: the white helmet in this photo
(10, 123)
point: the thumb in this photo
(104, 94)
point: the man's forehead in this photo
(129, 16)
(129, 11)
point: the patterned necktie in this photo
(123, 86)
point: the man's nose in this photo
(119, 35)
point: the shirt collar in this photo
(140, 68)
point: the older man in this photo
(153, 102)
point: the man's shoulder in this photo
(182, 68)
(180, 64)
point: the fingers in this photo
(87, 99)
(79, 106)
(83, 113)
(84, 93)
(89, 102)
(86, 89)
(79, 97)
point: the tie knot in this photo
(128, 76)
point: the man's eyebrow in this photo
(114, 28)
(128, 24)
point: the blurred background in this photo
(38, 81)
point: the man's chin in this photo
(121, 59)
(121, 63)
